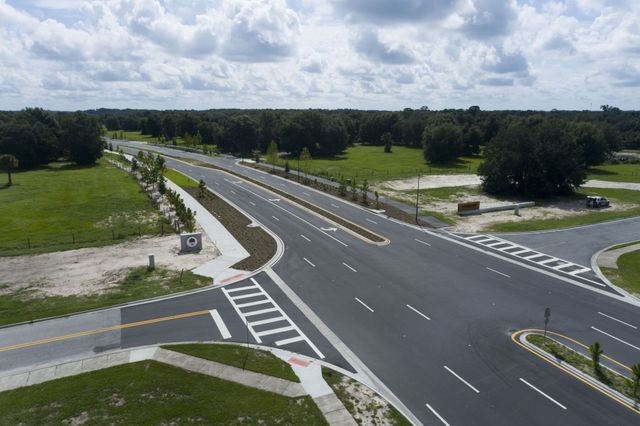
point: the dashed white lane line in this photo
(283, 185)
(307, 194)
(620, 321)
(252, 203)
(422, 242)
(418, 312)
(349, 267)
(275, 218)
(372, 221)
(224, 331)
(336, 206)
(542, 393)
(364, 304)
(309, 262)
(461, 379)
(233, 192)
(305, 238)
(217, 183)
(498, 272)
(615, 338)
(435, 413)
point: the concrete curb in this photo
(569, 368)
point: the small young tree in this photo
(342, 186)
(635, 369)
(202, 188)
(377, 200)
(305, 157)
(287, 169)
(354, 190)
(596, 351)
(8, 162)
(272, 153)
(364, 192)
(162, 186)
(387, 140)
(134, 164)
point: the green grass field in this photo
(616, 172)
(372, 163)
(151, 393)
(256, 360)
(180, 179)
(25, 305)
(63, 207)
(596, 216)
(627, 275)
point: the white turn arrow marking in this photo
(329, 229)
(274, 199)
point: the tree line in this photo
(34, 137)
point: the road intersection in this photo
(430, 314)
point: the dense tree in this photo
(241, 135)
(81, 138)
(387, 141)
(31, 141)
(591, 140)
(442, 143)
(169, 127)
(472, 139)
(320, 134)
(8, 162)
(532, 159)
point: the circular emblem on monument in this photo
(192, 242)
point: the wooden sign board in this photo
(471, 205)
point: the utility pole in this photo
(417, 196)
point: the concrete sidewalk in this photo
(609, 259)
(308, 370)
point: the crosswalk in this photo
(262, 316)
(533, 256)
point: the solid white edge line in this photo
(422, 242)
(309, 262)
(542, 393)
(275, 218)
(498, 272)
(349, 267)
(418, 312)
(616, 319)
(364, 304)
(222, 327)
(435, 413)
(252, 203)
(461, 379)
(305, 238)
(616, 338)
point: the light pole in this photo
(417, 196)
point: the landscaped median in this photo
(616, 380)
(621, 265)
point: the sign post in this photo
(547, 314)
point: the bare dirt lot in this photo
(465, 188)
(93, 270)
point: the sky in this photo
(366, 54)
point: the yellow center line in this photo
(533, 330)
(101, 330)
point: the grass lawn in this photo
(616, 172)
(627, 275)
(256, 360)
(24, 305)
(62, 207)
(372, 163)
(582, 363)
(596, 216)
(149, 392)
(180, 179)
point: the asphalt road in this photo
(429, 316)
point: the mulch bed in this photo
(260, 245)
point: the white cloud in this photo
(319, 53)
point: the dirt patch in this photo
(432, 181)
(96, 269)
(552, 209)
(260, 245)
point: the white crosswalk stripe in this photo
(281, 323)
(530, 255)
